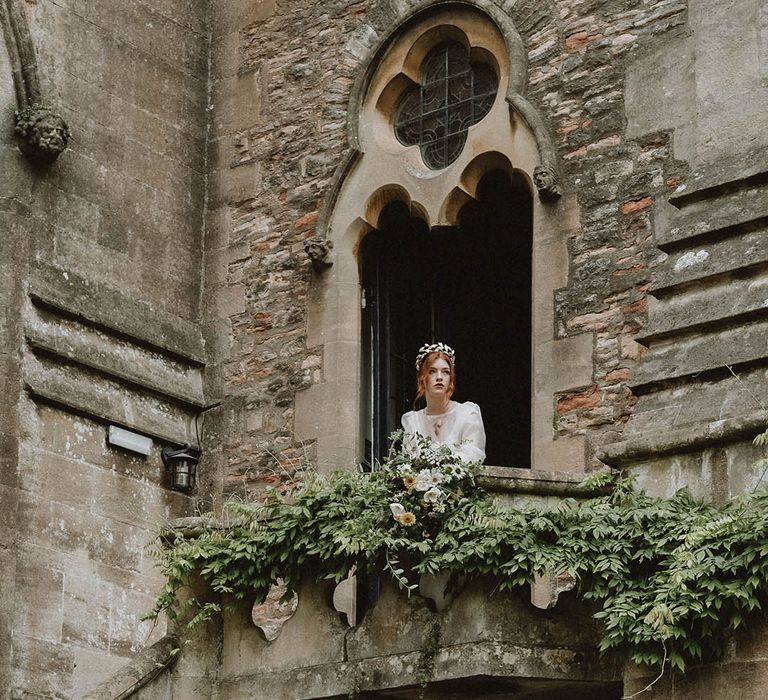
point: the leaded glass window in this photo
(454, 94)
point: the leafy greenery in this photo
(425, 665)
(670, 577)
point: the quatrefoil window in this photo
(454, 94)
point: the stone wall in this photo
(280, 85)
(645, 106)
(282, 80)
(485, 637)
(640, 102)
(202, 156)
(100, 284)
(701, 383)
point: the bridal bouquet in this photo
(427, 481)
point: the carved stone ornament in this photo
(271, 615)
(42, 133)
(545, 179)
(547, 587)
(319, 252)
(345, 599)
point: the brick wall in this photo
(279, 118)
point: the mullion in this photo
(446, 83)
(472, 95)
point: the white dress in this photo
(460, 427)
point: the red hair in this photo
(424, 368)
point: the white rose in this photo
(433, 495)
(423, 480)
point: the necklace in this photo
(435, 421)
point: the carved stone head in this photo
(319, 252)
(545, 179)
(42, 133)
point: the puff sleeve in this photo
(409, 422)
(470, 445)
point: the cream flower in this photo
(407, 518)
(423, 480)
(397, 511)
(436, 477)
(433, 495)
(411, 445)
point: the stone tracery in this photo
(454, 95)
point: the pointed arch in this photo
(514, 95)
(380, 170)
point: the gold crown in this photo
(425, 349)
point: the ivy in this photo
(670, 578)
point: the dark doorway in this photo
(469, 286)
(503, 688)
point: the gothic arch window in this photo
(437, 234)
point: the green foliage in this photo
(425, 666)
(668, 576)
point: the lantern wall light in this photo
(182, 464)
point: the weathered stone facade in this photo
(100, 283)
(155, 276)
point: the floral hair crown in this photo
(426, 349)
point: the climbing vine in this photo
(670, 577)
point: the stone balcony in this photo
(532, 642)
(537, 641)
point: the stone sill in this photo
(536, 482)
(502, 481)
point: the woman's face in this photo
(438, 382)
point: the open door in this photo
(469, 286)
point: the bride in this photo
(447, 422)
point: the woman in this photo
(458, 425)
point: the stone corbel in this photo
(271, 615)
(345, 599)
(546, 181)
(547, 587)
(41, 131)
(546, 174)
(319, 252)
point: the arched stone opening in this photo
(335, 414)
(468, 285)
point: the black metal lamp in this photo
(182, 464)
